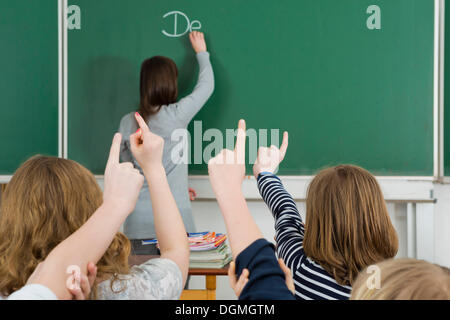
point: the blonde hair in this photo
(404, 279)
(46, 201)
(347, 225)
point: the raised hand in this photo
(227, 169)
(122, 181)
(146, 146)
(269, 158)
(198, 41)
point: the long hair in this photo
(46, 201)
(403, 279)
(347, 225)
(158, 85)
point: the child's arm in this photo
(122, 185)
(147, 148)
(226, 173)
(35, 290)
(288, 223)
(188, 107)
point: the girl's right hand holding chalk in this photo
(198, 41)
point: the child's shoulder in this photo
(127, 123)
(129, 117)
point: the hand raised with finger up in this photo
(227, 169)
(122, 181)
(146, 146)
(269, 159)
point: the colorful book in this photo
(206, 241)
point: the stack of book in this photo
(208, 250)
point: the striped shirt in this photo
(311, 281)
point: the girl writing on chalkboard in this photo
(164, 113)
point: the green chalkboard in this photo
(345, 93)
(28, 81)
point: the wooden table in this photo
(209, 293)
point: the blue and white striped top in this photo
(311, 281)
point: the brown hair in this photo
(158, 87)
(46, 201)
(403, 279)
(347, 224)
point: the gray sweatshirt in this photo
(139, 224)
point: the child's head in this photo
(46, 201)
(347, 224)
(403, 279)
(159, 85)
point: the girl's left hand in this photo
(192, 194)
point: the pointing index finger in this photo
(240, 142)
(284, 144)
(141, 122)
(114, 152)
